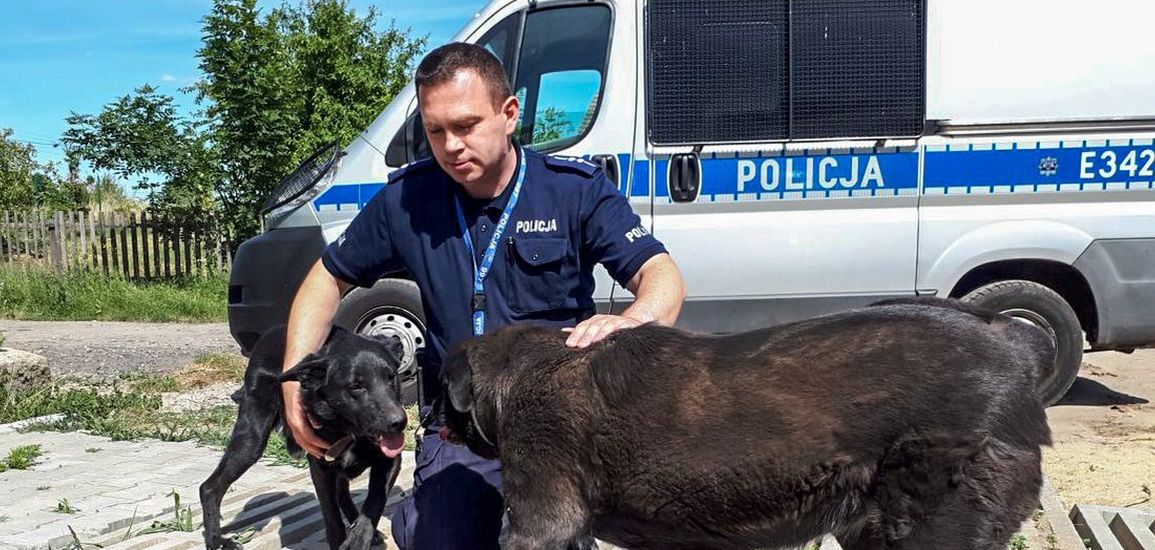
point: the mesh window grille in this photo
(761, 70)
(858, 68)
(717, 70)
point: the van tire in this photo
(391, 307)
(1039, 305)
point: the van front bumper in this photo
(266, 271)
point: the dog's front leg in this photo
(325, 485)
(363, 531)
(549, 515)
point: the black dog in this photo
(351, 391)
(898, 426)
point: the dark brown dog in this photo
(901, 425)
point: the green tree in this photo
(141, 136)
(17, 167)
(278, 86)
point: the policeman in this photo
(493, 234)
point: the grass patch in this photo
(20, 458)
(212, 368)
(36, 294)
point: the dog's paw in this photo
(221, 543)
(360, 535)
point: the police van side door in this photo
(575, 79)
(779, 185)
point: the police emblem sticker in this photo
(1048, 166)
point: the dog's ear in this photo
(457, 375)
(313, 368)
(392, 345)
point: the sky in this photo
(63, 56)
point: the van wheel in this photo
(1036, 304)
(392, 307)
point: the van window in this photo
(560, 71)
(770, 70)
(560, 74)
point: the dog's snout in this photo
(396, 423)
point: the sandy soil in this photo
(1104, 430)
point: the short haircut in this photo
(443, 63)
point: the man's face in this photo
(468, 133)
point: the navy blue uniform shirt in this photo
(568, 218)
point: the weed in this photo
(1018, 543)
(75, 544)
(1052, 542)
(93, 450)
(182, 520)
(65, 507)
(21, 458)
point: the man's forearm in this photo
(659, 291)
(312, 314)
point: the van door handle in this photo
(685, 177)
(609, 164)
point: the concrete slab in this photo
(1115, 528)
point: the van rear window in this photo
(723, 71)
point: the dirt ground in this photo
(106, 348)
(1104, 431)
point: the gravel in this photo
(105, 348)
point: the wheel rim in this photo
(1034, 318)
(401, 325)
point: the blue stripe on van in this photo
(954, 169)
(1066, 169)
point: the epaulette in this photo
(412, 167)
(572, 164)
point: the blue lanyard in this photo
(479, 273)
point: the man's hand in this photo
(298, 422)
(597, 327)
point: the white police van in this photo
(799, 157)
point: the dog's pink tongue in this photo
(391, 445)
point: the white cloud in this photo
(168, 78)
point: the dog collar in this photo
(477, 426)
(338, 448)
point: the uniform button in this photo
(484, 228)
(535, 257)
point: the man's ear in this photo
(511, 109)
(457, 376)
(312, 369)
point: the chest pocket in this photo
(538, 271)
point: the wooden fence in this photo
(135, 245)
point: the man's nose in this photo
(453, 142)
